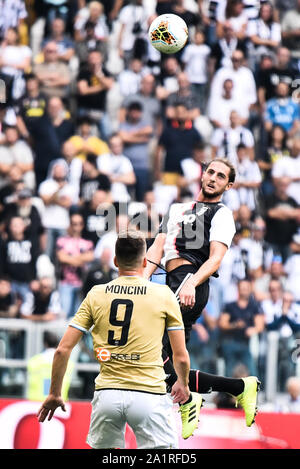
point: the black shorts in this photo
(175, 279)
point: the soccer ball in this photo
(168, 33)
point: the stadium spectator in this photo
(24, 207)
(13, 15)
(239, 321)
(167, 79)
(31, 107)
(264, 32)
(292, 268)
(192, 170)
(151, 105)
(94, 214)
(9, 186)
(9, 306)
(234, 14)
(90, 43)
(73, 254)
(222, 49)
(290, 25)
(244, 86)
(287, 324)
(282, 110)
(118, 222)
(275, 272)
(185, 96)
(195, 59)
(99, 272)
(42, 303)
(133, 28)
(66, 47)
(118, 168)
(15, 59)
(276, 149)
(280, 71)
(292, 403)
(94, 13)
(177, 141)
(19, 255)
(93, 83)
(225, 140)
(289, 166)
(53, 75)
(16, 152)
(129, 79)
(58, 196)
(257, 251)
(248, 178)
(48, 133)
(136, 133)
(85, 140)
(92, 179)
(282, 214)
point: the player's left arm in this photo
(59, 366)
(208, 268)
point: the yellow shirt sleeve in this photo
(83, 319)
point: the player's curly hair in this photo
(232, 171)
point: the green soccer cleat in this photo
(190, 415)
(248, 398)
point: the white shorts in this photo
(149, 415)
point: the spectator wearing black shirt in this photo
(177, 140)
(42, 303)
(19, 255)
(239, 321)
(281, 71)
(282, 215)
(93, 83)
(49, 133)
(99, 272)
(23, 207)
(95, 215)
(91, 179)
(30, 107)
(222, 50)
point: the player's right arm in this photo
(59, 366)
(155, 254)
(181, 361)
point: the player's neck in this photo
(131, 273)
(202, 198)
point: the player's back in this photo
(129, 315)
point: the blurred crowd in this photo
(99, 132)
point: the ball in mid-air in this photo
(168, 33)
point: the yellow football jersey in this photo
(129, 316)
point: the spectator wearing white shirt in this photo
(195, 59)
(15, 59)
(289, 166)
(225, 140)
(292, 268)
(118, 168)
(258, 253)
(264, 32)
(16, 152)
(133, 21)
(220, 107)
(129, 80)
(58, 196)
(192, 170)
(244, 86)
(233, 12)
(248, 178)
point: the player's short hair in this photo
(232, 172)
(130, 248)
